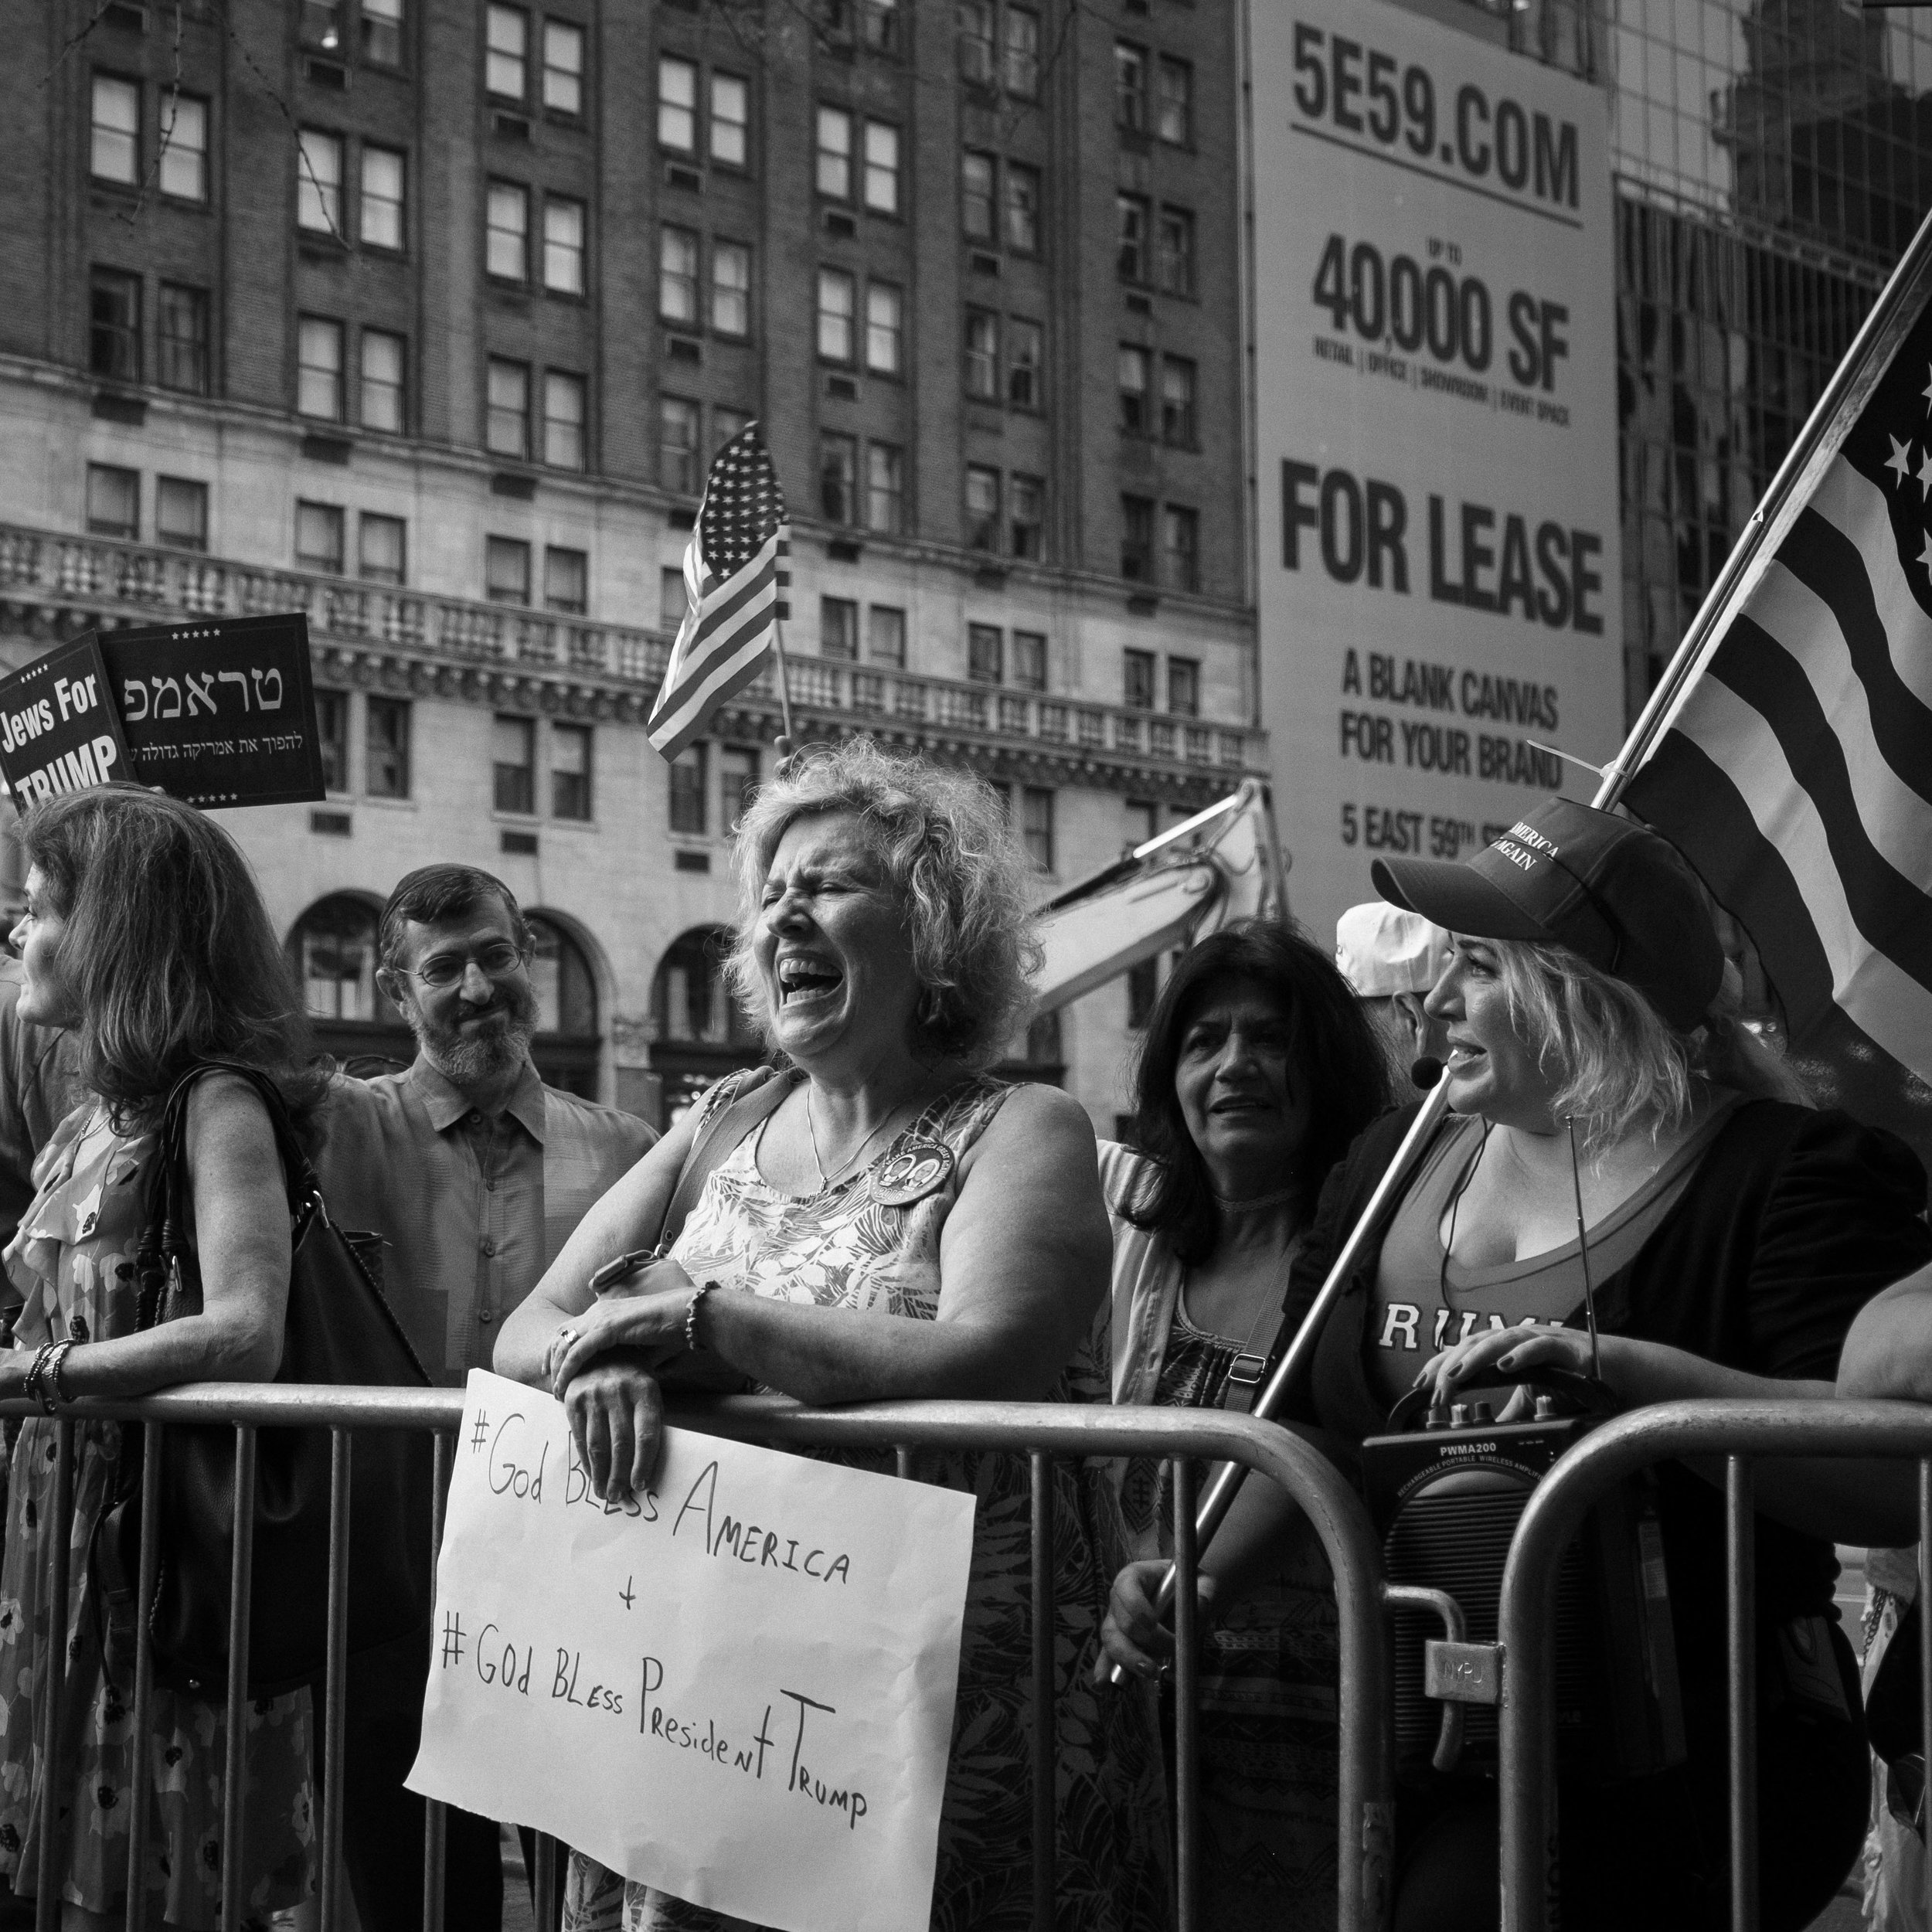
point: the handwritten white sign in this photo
(739, 1689)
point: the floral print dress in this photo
(844, 1248)
(72, 1267)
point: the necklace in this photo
(1250, 1201)
(852, 1159)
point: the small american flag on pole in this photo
(736, 576)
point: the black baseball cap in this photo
(1616, 895)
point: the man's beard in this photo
(470, 1055)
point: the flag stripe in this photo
(692, 718)
(1892, 1008)
(1856, 507)
(1888, 908)
(721, 639)
(701, 677)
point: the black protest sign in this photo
(221, 712)
(58, 729)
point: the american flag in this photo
(1795, 768)
(736, 576)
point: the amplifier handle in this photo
(1419, 1596)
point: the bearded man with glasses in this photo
(475, 1174)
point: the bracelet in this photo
(53, 1387)
(30, 1382)
(691, 1314)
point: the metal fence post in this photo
(235, 1783)
(435, 1836)
(1187, 1701)
(1740, 1562)
(53, 1682)
(140, 1764)
(334, 1687)
(1046, 1806)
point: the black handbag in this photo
(339, 1330)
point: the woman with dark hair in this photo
(143, 936)
(1257, 1068)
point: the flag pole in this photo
(1852, 382)
(784, 691)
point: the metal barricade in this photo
(1043, 1432)
(1739, 1432)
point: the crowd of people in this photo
(875, 1214)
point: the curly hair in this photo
(1334, 1057)
(168, 948)
(1621, 1068)
(954, 866)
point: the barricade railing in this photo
(1740, 1433)
(1045, 1433)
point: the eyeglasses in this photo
(447, 969)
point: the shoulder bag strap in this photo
(719, 1137)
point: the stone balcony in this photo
(53, 585)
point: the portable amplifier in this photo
(1446, 1499)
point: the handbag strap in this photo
(724, 1131)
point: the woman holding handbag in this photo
(145, 936)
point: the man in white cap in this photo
(1391, 957)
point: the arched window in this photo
(333, 949)
(566, 1047)
(701, 1034)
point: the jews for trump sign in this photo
(739, 1689)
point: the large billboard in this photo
(1436, 437)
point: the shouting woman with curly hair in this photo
(884, 1219)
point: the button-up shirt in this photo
(473, 1210)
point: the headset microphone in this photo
(1426, 1071)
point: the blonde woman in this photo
(1733, 1232)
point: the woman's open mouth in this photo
(802, 980)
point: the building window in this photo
(318, 368)
(114, 325)
(838, 628)
(1180, 548)
(1174, 101)
(1131, 259)
(976, 41)
(382, 381)
(318, 182)
(1137, 544)
(506, 254)
(562, 67)
(569, 771)
(382, 212)
(321, 24)
(985, 653)
(1184, 687)
(1036, 825)
(114, 151)
(1133, 365)
(507, 420)
(688, 774)
(513, 764)
(725, 424)
(1029, 659)
(678, 445)
(184, 149)
(885, 489)
(181, 513)
(884, 328)
(1177, 401)
(678, 274)
(381, 548)
(113, 502)
(886, 635)
(677, 105)
(1025, 360)
(731, 288)
(837, 301)
(563, 420)
(1130, 87)
(1023, 208)
(331, 729)
(730, 120)
(1019, 53)
(1026, 498)
(882, 25)
(976, 196)
(1137, 688)
(1175, 254)
(837, 477)
(506, 52)
(563, 246)
(673, 600)
(982, 508)
(566, 581)
(386, 748)
(834, 163)
(382, 33)
(319, 538)
(506, 570)
(982, 354)
(882, 167)
(181, 338)
(737, 782)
